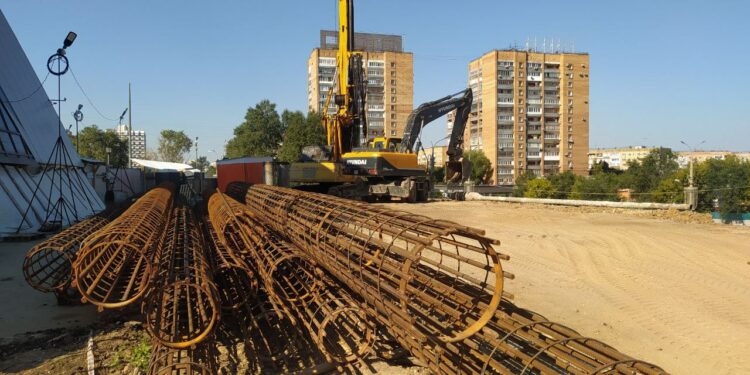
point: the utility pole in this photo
(196, 154)
(130, 128)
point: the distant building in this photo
(530, 112)
(423, 158)
(139, 140)
(618, 158)
(390, 80)
(683, 157)
(450, 120)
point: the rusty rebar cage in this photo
(113, 266)
(400, 263)
(48, 266)
(197, 360)
(182, 307)
(235, 280)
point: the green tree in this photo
(300, 131)
(598, 187)
(259, 135)
(646, 175)
(173, 145)
(521, 182)
(726, 181)
(562, 184)
(672, 188)
(93, 143)
(211, 171)
(539, 188)
(480, 166)
(201, 164)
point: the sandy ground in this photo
(24, 309)
(662, 288)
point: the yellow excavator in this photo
(382, 168)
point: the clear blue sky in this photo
(661, 71)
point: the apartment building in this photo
(139, 140)
(390, 79)
(530, 112)
(440, 153)
(618, 158)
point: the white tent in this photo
(29, 128)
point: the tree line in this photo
(656, 178)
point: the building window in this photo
(393, 90)
(393, 73)
(393, 99)
(393, 132)
(393, 115)
(570, 93)
(393, 82)
(393, 64)
(393, 108)
(570, 83)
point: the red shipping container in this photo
(248, 169)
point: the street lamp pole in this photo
(196, 154)
(691, 192)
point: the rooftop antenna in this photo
(544, 45)
(527, 44)
(535, 44)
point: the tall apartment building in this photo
(530, 112)
(390, 79)
(139, 140)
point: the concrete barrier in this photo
(574, 202)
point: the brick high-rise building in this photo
(530, 112)
(390, 76)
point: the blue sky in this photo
(661, 71)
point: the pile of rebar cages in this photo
(311, 283)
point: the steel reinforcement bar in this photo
(48, 266)
(197, 360)
(391, 259)
(234, 279)
(113, 267)
(182, 306)
(339, 326)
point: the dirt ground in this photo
(666, 287)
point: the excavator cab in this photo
(384, 144)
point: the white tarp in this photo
(165, 165)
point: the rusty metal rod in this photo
(340, 328)
(48, 266)
(388, 256)
(197, 360)
(182, 306)
(113, 267)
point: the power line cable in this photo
(89, 99)
(32, 93)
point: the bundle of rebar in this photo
(182, 306)
(48, 266)
(113, 265)
(338, 325)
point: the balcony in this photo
(504, 119)
(505, 86)
(375, 82)
(533, 155)
(551, 156)
(534, 130)
(375, 107)
(551, 114)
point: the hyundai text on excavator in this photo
(384, 167)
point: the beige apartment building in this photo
(530, 112)
(618, 158)
(390, 79)
(440, 152)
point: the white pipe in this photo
(574, 202)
